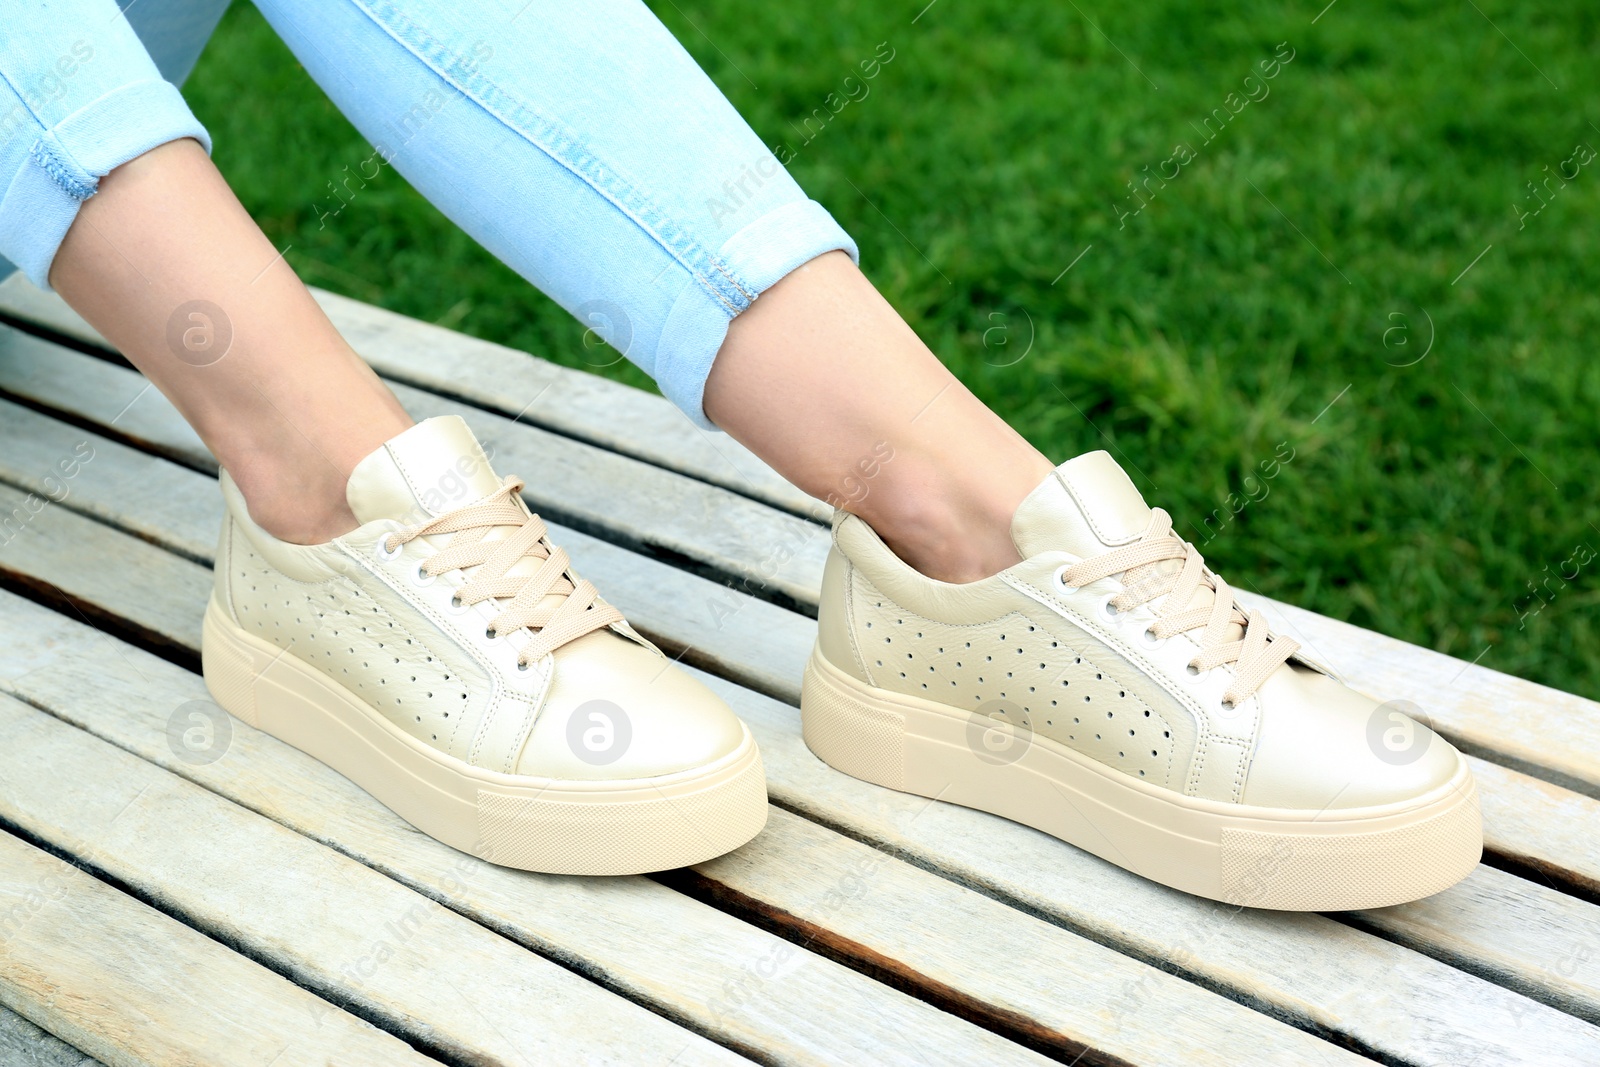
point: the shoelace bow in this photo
(1256, 656)
(580, 611)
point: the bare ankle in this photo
(956, 560)
(293, 475)
(304, 506)
(949, 523)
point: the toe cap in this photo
(1323, 746)
(616, 710)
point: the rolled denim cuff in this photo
(756, 257)
(67, 161)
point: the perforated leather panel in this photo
(1014, 672)
(410, 678)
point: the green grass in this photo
(1194, 337)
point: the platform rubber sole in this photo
(1285, 859)
(549, 825)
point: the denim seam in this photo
(717, 264)
(563, 147)
(63, 172)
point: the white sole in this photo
(1279, 858)
(555, 826)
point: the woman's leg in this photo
(444, 638)
(107, 193)
(79, 96)
(584, 147)
(165, 263)
(822, 379)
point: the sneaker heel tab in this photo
(847, 530)
(855, 538)
(244, 536)
(229, 487)
(836, 636)
(222, 565)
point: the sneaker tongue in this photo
(435, 466)
(1086, 506)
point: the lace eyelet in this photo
(1149, 639)
(1061, 581)
(1107, 612)
(521, 666)
(457, 607)
(491, 634)
(384, 553)
(1192, 670)
(1229, 706)
(421, 578)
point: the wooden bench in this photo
(259, 909)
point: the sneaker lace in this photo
(580, 611)
(1254, 650)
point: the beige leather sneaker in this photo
(444, 657)
(1109, 691)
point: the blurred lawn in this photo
(1298, 257)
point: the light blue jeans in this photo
(578, 142)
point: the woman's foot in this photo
(444, 656)
(1108, 690)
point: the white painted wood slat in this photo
(436, 977)
(134, 988)
(1248, 957)
(637, 936)
(823, 863)
(987, 959)
(23, 1044)
(333, 925)
(1475, 723)
(1531, 822)
(1321, 973)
